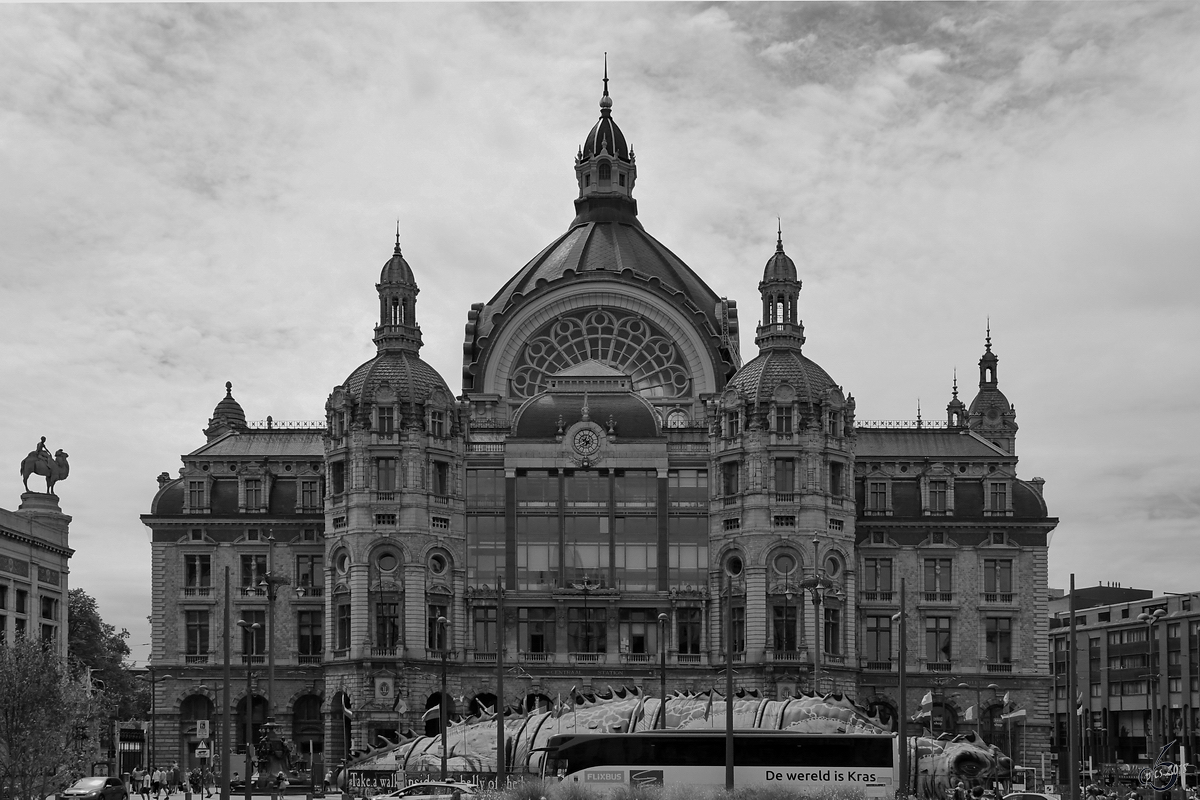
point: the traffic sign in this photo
(202, 752)
(202, 728)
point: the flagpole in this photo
(1072, 720)
(902, 662)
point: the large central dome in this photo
(606, 244)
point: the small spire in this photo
(989, 334)
(955, 385)
(397, 237)
(606, 73)
(228, 388)
(605, 100)
(779, 241)
(918, 412)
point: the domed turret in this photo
(780, 290)
(397, 329)
(956, 410)
(227, 416)
(990, 414)
(605, 170)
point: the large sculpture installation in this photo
(935, 764)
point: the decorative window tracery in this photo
(626, 342)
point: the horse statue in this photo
(38, 463)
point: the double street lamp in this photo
(153, 681)
(443, 625)
(1151, 619)
(819, 587)
(978, 707)
(250, 628)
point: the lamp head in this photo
(662, 617)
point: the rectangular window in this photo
(877, 574)
(537, 488)
(688, 624)
(309, 570)
(586, 630)
(739, 629)
(254, 494)
(387, 622)
(636, 553)
(639, 630)
(729, 478)
(343, 626)
(688, 487)
(196, 494)
(938, 574)
(385, 474)
(937, 640)
(19, 627)
(997, 575)
(998, 497)
(784, 627)
(441, 478)
(196, 624)
(1174, 684)
(387, 420)
(197, 571)
(1173, 630)
(485, 549)
(3, 596)
(337, 475)
(22, 606)
(309, 629)
(837, 483)
(254, 640)
(785, 475)
(485, 488)
(437, 635)
(877, 496)
(937, 496)
(535, 629)
(586, 489)
(309, 494)
(783, 419)
(999, 640)
(733, 423)
(49, 634)
(485, 630)
(1095, 690)
(879, 638)
(833, 630)
(49, 607)
(635, 488)
(254, 569)
(537, 552)
(437, 423)
(687, 550)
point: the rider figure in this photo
(42, 453)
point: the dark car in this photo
(96, 788)
(430, 790)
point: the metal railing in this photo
(900, 423)
(876, 597)
(879, 666)
(1002, 598)
(197, 591)
(938, 597)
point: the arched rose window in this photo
(626, 342)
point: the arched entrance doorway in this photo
(433, 719)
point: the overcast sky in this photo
(196, 194)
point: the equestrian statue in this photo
(39, 462)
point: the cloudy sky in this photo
(191, 194)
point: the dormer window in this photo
(437, 423)
(621, 179)
(605, 172)
(587, 180)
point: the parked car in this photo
(95, 788)
(430, 790)
(1030, 796)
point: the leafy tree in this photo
(95, 645)
(46, 719)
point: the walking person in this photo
(156, 782)
(146, 781)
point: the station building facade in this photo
(613, 468)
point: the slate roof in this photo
(538, 417)
(405, 372)
(266, 444)
(932, 443)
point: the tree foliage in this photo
(97, 646)
(46, 718)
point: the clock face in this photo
(587, 442)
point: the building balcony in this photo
(343, 653)
(937, 597)
(483, 658)
(308, 660)
(876, 597)
(197, 591)
(588, 658)
(833, 658)
(439, 499)
(393, 651)
(638, 658)
(785, 497)
(787, 656)
(251, 591)
(535, 658)
(485, 447)
(253, 659)
(689, 659)
(385, 497)
(998, 668)
(999, 598)
(879, 666)
(310, 591)
(937, 666)
(196, 659)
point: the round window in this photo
(733, 566)
(784, 563)
(832, 566)
(437, 563)
(341, 562)
(387, 561)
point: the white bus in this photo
(802, 762)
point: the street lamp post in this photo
(442, 625)
(587, 587)
(902, 669)
(250, 628)
(153, 681)
(662, 663)
(819, 586)
(978, 706)
(500, 641)
(733, 568)
(1151, 619)
(271, 582)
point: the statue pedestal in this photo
(43, 509)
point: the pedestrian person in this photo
(328, 781)
(175, 780)
(146, 782)
(156, 782)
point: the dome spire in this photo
(779, 231)
(396, 252)
(988, 341)
(605, 100)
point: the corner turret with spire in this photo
(990, 414)
(780, 326)
(605, 170)
(397, 329)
